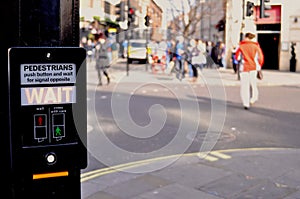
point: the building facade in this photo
(213, 11)
(95, 14)
(278, 35)
(200, 21)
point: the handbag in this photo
(259, 75)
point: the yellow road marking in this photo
(218, 153)
(205, 156)
(210, 158)
(119, 167)
(108, 171)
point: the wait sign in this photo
(48, 95)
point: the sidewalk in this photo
(271, 78)
(225, 77)
(232, 174)
(255, 173)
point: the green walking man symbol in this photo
(57, 131)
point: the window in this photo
(107, 7)
(91, 4)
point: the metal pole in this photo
(147, 41)
(241, 35)
(202, 19)
(127, 38)
(243, 21)
(209, 21)
(127, 62)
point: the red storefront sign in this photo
(275, 15)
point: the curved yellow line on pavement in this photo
(218, 153)
(121, 167)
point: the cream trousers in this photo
(249, 91)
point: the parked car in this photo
(137, 50)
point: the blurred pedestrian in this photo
(214, 53)
(168, 53)
(234, 61)
(251, 59)
(87, 45)
(180, 58)
(210, 63)
(209, 46)
(172, 57)
(102, 58)
(221, 54)
(201, 46)
(124, 49)
(90, 49)
(198, 58)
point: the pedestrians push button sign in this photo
(43, 73)
(47, 95)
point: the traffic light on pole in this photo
(263, 8)
(249, 8)
(147, 20)
(221, 25)
(131, 14)
(120, 11)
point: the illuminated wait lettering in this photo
(48, 95)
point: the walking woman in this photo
(251, 60)
(198, 58)
(102, 58)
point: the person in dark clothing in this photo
(102, 58)
(234, 61)
(214, 53)
(221, 54)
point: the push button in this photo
(51, 158)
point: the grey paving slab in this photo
(176, 191)
(89, 188)
(137, 186)
(115, 177)
(155, 180)
(266, 190)
(102, 195)
(257, 166)
(295, 195)
(192, 175)
(230, 186)
(104, 181)
(291, 178)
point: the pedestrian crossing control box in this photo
(47, 115)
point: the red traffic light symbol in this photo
(131, 11)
